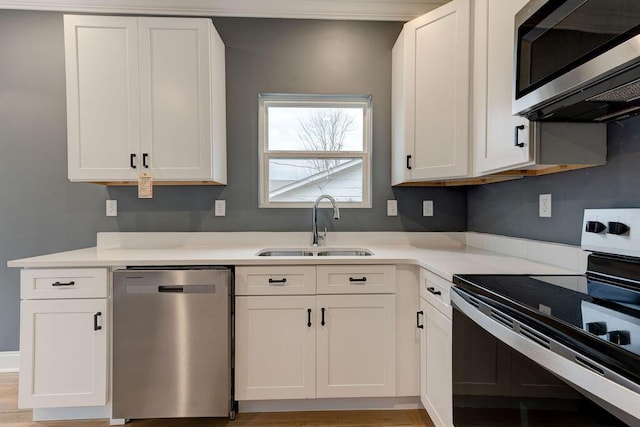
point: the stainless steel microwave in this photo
(577, 60)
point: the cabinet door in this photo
(63, 353)
(437, 90)
(499, 142)
(435, 364)
(175, 97)
(101, 58)
(275, 347)
(356, 345)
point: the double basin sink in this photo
(315, 252)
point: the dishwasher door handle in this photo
(175, 289)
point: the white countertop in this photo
(444, 254)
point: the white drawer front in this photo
(357, 279)
(436, 291)
(276, 280)
(57, 283)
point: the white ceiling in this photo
(375, 10)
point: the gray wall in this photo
(511, 208)
(41, 212)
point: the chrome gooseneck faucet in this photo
(336, 216)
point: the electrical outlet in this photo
(112, 208)
(392, 208)
(545, 206)
(220, 208)
(427, 208)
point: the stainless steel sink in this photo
(314, 252)
(285, 252)
(345, 252)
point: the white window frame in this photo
(267, 100)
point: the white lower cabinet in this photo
(435, 366)
(64, 332)
(435, 326)
(356, 354)
(275, 347)
(63, 353)
(314, 346)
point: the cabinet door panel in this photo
(63, 359)
(175, 94)
(437, 397)
(356, 346)
(438, 61)
(275, 347)
(496, 126)
(101, 58)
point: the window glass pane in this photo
(315, 129)
(303, 180)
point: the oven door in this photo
(497, 382)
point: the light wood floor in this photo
(10, 415)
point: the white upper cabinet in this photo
(501, 141)
(145, 95)
(430, 96)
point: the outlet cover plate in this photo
(112, 208)
(545, 206)
(220, 208)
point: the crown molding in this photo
(373, 10)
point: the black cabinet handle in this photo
(308, 317)
(96, 327)
(357, 279)
(515, 136)
(132, 160)
(71, 283)
(145, 156)
(283, 280)
(409, 161)
(418, 325)
(322, 322)
(433, 291)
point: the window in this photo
(312, 145)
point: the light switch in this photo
(220, 208)
(392, 208)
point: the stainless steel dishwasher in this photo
(172, 343)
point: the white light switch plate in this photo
(220, 208)
(392, 208)
(427, 208)
(112, 208)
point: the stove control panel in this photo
(615, 231)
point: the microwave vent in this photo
(625, 93)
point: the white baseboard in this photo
(9, 361)
(369, 403)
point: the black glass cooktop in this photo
(583, 312)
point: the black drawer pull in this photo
(433, 291)
(322, 322)
(71, 283)
(409, 162)
(132, 161)
(283, 280)
(358, 279)
(418, 325)
(309, 317)
(145, 156)
(96, 327)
